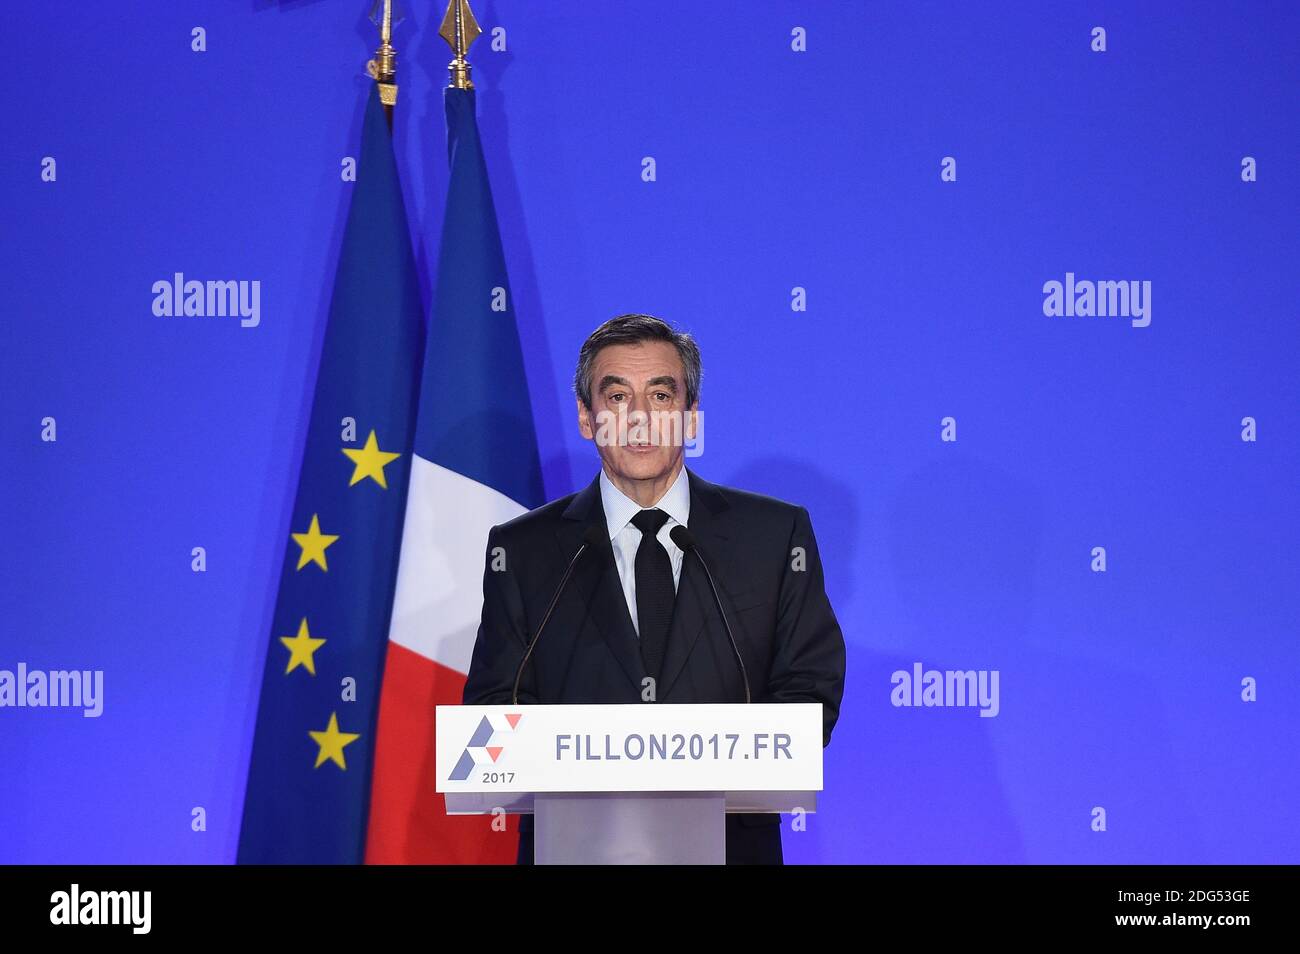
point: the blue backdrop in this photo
(857, 308)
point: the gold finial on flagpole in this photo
(459, 29)
(383, 68)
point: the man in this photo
(637, 622)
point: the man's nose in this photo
(640, 406)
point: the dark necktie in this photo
(655, 594)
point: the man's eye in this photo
(663, 396)
(614, 398)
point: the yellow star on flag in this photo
(370, 461)
(331, 743)
(313, 544)
(301, 649)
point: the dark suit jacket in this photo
(780, 615)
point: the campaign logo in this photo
(484, 747)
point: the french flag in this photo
(475, 464)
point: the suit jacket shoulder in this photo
(538, 521)
(751, 502)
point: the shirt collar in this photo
(620, 508)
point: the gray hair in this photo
(633, 329)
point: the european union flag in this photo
(309, 776)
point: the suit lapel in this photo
(694, 605)
(596, 577)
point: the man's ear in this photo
(692, 421)
(584, 421)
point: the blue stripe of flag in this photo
(475, 414)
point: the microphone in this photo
(685, 540)
(592, 539)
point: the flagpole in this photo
(383, 68)
(459, 29)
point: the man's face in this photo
(638, 410)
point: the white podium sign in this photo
(499, 751)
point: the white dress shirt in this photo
(625, 537)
